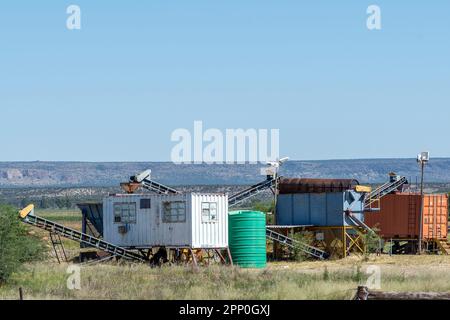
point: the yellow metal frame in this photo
(342, 242)
(365, 189)
(374, 203)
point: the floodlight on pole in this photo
(422, 159)
(272, 173)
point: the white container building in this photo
(191, 220)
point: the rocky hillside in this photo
(77, 174)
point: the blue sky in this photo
(117, 88)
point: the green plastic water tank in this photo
(247, 238)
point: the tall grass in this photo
(132, 281)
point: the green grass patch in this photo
(60, 215)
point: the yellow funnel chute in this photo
(363, 189)
(26, 211)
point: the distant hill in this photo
(76, 174)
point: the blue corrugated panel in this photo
(94, 213)
(319, 209)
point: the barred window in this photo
(174, 211)
(209, 211)
(125, 212)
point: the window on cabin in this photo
(209, 211)
(145, 204)
(174, 211)
(125, 212)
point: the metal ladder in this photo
(80, 237)
(243, 195)
(58, 247)
(310, 250)
(412, 215)
(383, 190)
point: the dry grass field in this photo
(280, 280)
(306, 280)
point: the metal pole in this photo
(421, 209)
(274, 194)
(275, 200)
(344, 242)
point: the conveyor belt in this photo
(310, 250)
(252, 191)
(383, 190)
(80, 237)
(145, 180)
(157, 187)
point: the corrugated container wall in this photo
(209, 234)
(141, 220)
(319, 209)
(400, 214)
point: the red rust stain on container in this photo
(303, 185)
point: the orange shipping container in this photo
(400, 214)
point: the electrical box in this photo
(320, 236)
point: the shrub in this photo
(371, 242)
(266, 207)
(16, 246)
(301, 239)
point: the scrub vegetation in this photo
(334, 279)
(306, 280)
(16, 247)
